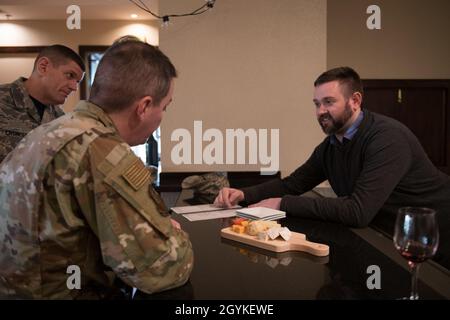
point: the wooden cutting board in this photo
(297, 242)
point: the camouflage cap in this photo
(206, 185)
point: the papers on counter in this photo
(260, 213)
(209, 215)
(209, 211)
(200, 208)
(205, 212)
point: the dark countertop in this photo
(224, 269)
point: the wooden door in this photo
(422, 105)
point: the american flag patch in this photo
(137, 175)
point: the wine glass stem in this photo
(414, 279)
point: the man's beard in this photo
(334, 125)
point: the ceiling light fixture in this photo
(165, 18)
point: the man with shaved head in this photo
(28, 103)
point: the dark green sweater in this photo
(381, 169)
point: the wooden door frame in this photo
(84, 51)
(21, 49)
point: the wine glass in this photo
(416, 237)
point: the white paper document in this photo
(208, 215)
(200, 208)
(261, 213)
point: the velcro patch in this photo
(137, 175)
(117, 154)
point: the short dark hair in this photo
(125, 39)
(128, 71)
(345, 75)
(59, 54)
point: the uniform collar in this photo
(22, 98)
(95, 112)
(23, 101)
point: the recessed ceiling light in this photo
(134, 15)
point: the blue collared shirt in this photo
(350, 131)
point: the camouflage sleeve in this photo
(136, 236)
(15, 122)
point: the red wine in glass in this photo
(416, 237)
(416, 253)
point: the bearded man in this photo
(374, 164)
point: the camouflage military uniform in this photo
(206, 186)
(18, 115)
(73, 193)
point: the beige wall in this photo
(413, 42)
(246, 64)
(15, 65)
(40, 33)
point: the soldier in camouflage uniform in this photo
(73, 192)
(27, 103)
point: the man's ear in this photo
(42, 65)
(357, 99)
(143, 106)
